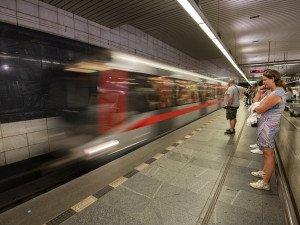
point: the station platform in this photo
(195, 175)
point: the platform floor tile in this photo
(158, 213)
(227, 214)
(179, 198)
(100, 213)
(143, 184)
(159, 173)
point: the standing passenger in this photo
(256, 149)
(288, 94)
(254, 88)
(250, 91)
(246, 93)
(270, 108)
(232, 104)
(295, 93)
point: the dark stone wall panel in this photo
(33, 80)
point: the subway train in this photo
(103, 102)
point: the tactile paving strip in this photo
(103, 191)
(62, 217)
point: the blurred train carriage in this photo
(105, 102)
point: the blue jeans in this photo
(249, 101)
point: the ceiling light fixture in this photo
(191, 10)
(287, 64)
(199, 18)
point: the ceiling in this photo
(273, 36)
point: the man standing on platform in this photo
(232, 103)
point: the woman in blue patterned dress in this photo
(272, 102)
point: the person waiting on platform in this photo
(289, 94)
(232, 104)
(295, 93)
(246, 93)
(250, 92)
(254, 89)
(271, 108)
(255, 148)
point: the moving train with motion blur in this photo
(104, 102)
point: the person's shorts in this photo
(231, 112)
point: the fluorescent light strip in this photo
(194, 14)
(288, 64)
(206, 29)
(190, 9)
(218, 44)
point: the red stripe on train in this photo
(169, 115)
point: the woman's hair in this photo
(277, 77)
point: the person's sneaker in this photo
(229, 132)
(257, 151)
(260, 174)
(260, 185)
(253, 146)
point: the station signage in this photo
(257, 71)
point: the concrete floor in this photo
(178, 188)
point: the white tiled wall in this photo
(11, 129)
(16, 155)
(14, 142)
(22, 140)
(25, 139)
(35, 125)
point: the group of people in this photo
(269, 102)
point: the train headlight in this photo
(101, 148)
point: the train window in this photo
(163, 90)
(218, 91)
(186, 92)
(139, 91)
(194, 92)
(214, 91)
(202, 92)
(224, 88)
(147, 93)
(209, 92)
